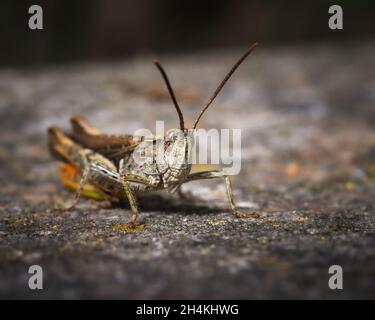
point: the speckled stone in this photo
(308, 171)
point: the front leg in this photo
(143, 183)
(132, 200)
(219, 174)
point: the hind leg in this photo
(92, 167)
(83, 181)
(70, 177)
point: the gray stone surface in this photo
(308, 171)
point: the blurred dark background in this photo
(100, 30)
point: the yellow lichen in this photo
(129, 227)
(215, 222)
(302, 219)
(351, 186)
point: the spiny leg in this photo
(181, 194)
(82, 183)
(143, 184)
(235, 211)
(184, 195)
(219, 174)
(101, 173)
(132, 200)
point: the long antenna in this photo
(171, 93)
(221, 85)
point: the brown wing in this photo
(113, 147)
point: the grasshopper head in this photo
(177, 148)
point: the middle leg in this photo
(219, 174)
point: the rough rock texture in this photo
(308, 170)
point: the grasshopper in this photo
(107, 162)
